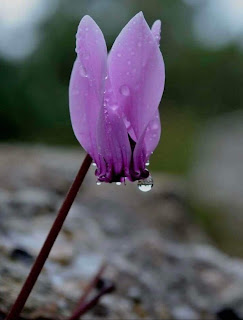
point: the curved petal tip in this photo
(156, 30)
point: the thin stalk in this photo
(91, 285)
(86, 306)
(49, 242)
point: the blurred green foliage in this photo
(200, 83)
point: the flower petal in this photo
(113, 146)
(156, 30)
(152, 135)
(87, 83)
(136, 69)
(146, 144)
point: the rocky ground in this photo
(164, 265)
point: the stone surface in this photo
(164, 265)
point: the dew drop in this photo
(86, 55)
(83, 71)
(155, 126)
(114, 107)
(125, 91)
(147, 163)
(127, 123)
(146, 184)
(98, 183)
(118, 183)
(94, 164)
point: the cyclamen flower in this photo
(114, 98)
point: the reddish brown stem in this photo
(49, 242)
(86, 306)
(91, 285)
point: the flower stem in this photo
(86, 306)
(91, 285)
(49, 242)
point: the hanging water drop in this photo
(98, 183)
(147, 163)
(145, 185)
(125, 91)
(94, 164)
(118, 183)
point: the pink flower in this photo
(114, 98)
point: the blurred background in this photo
(197, 167)
(201, 110)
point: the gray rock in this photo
(162, 262)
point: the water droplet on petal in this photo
(94, 164)
(83, 71)
(147, 163)
(127, 123)
(114, 107)
(155, 126)
(145, 185)
(86, 55)
(125, 91)
(118, 183)
(98, 183)
(106, 77)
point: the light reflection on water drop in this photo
(94, 164)
(118, 183)
(147, 163)
(146, 184)
(98, 183)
